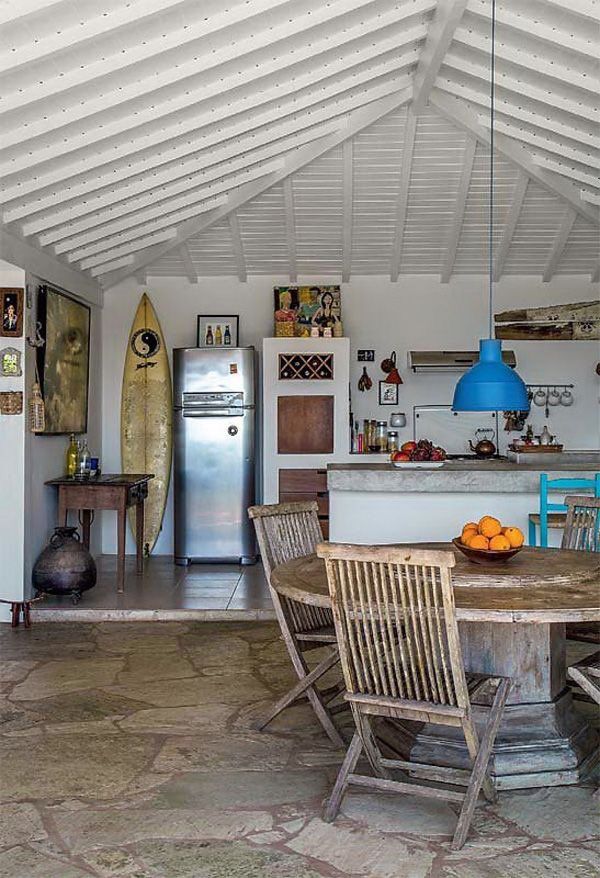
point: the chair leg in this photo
(532, 533)
(478, 775)
(332, 806)
(305, 686)
(372, 752)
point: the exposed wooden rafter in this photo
(440, 36)
(510, 225)
(348, 184)
(290, 228)
(459, 211)
(402, 202)
(559, 244)
(238, 247)
(188, 264)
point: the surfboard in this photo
(147, 416)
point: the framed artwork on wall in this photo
(303, 311)
(388, 393)
(63, 361)
(218, 331)
(10, 363)
(11, 312)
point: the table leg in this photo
(86, 522)
(139, 535)
(121, 531)
(543, 740)
(62, 507)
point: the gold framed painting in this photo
(63, 361)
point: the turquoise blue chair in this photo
(553, 515)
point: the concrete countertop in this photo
(460, 476)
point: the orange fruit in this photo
(478, 542)
(499, 542)
(467, 532)
(489, 526)
(515, 536)
(470, 524)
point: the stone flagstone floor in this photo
(128, 752)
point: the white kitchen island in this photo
(378, 503)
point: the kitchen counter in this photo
(375, 502)
(460, 476)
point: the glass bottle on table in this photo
(84, 460)
(72, 456)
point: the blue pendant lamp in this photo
(490, 385)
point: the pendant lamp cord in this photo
(491, 198)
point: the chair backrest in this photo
(591, 486)
(395, 622)
(582, 527)
(285, 531)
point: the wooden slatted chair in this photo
(420, 677)
(582, 533)
(586, 674)
(286, 531)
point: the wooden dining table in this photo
(512, 620)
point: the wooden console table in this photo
(118, 492)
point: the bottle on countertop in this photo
(72, 456)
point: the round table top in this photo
(537, 585)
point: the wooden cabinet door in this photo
(305, 424)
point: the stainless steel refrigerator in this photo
(214, 433)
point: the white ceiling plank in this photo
(588, 9)
(595, 275)
(559, 244)
(205, 59)
(569, 171)
(542, 29)
(510, 225)
(127, 249)
(586, 109)
(441, 33)
(13, 10)
(459, 211)
(462, 115)
(348, 199)
(290, 228)
(116, 264)
(188, 265)
(40, 263)
(544, 144)
(402, 201)
(550, 66)
(238, 247)
(590, 197)
(358, 121)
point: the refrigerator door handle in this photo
(214, 413)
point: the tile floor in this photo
(128, 751)
(200, 591)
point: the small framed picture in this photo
(388, 393)
(11, 312)
(218, 331)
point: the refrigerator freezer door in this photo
(214, 485)
(207, 371)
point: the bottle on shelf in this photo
(72, 456)
(209, 335)
(227, 335)
(381, 441)
(218, 335)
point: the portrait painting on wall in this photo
(63, 361)
(302, 311)
(11, 312)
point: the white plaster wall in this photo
(417, 313)
(12, 474)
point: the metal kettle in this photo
(484, 447)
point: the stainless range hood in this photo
(451, 361)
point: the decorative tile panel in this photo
(306, 367)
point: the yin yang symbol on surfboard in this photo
(146, 415)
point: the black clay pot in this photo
(65, 566)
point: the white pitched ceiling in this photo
(299, 136)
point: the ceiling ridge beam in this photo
(84, 105)
(188, 264)
(441, 33)
(460, 114)
(403, 190)
(459, 210)
(510, 225)
(347, 207)
(281, 71)
(358, 121)
(290, 228)
(238, 247)
(559, 244)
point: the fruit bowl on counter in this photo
(488, 541)
(418, 455)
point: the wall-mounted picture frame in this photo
(388, 393)
(10, 363)
(64, 361)
(218, 331)
(11, 312)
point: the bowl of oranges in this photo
(489, 540)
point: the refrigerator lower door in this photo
(214, 485)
